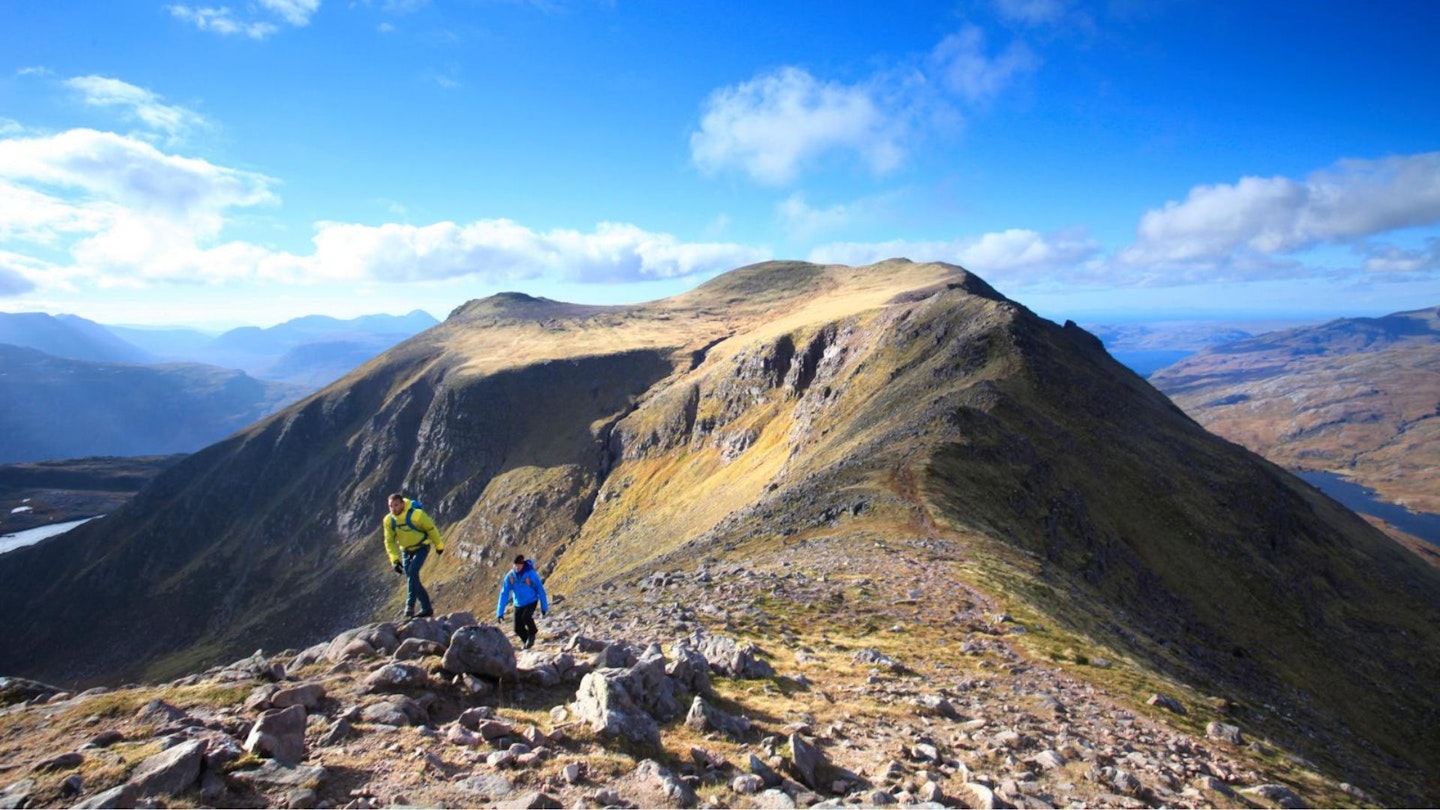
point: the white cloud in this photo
(772, 125)
(101, 91)
(260, 22)
(122, 213)
(500, 250)
(779, 124)
(1389, 259)
(1015, 257)
(294, 12)
(961, 64)
(1259, 219)
(122, 209)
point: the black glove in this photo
(439, 552)
(544, 613)
(399, 569)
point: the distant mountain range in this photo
(56, 408)
(1146, 348)
(1356, 396)
(73, 388)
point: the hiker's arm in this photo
(504, 598)
(392, 546)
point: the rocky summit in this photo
(923, 545)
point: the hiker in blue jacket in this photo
(523, 588)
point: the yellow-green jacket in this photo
(400, 536)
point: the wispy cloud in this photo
(962, 64)
(259, 21)
(803, 221)
(779, 124)
(137, 102)
(1032, 12)
(1258, 220)
(1015, 257)
(1390, 259)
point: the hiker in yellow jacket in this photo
(409, 534)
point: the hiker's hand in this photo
(399, 569)
(439, 552)
(499, 617)
(544, 613)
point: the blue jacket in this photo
(522, 590)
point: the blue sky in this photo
(249, 161)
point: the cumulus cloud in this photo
(776, 125)
(772, 125)
(1017, 256)
(127, 214)
(142, 104)
(1256, 218)
(500, 249)
(122, 208)
(262, 20)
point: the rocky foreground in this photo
(800, 684)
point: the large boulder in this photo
(652, 687)
(728, 657)
(279, 734)
(170, 772)
(480, 649)
(396, 677)
(604, 702)
(704, 717)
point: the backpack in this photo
(414, 504)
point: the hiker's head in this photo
(519, 561)
(397, 503)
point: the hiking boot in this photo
(424, 614)
(529, 642)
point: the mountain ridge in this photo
(786, 406)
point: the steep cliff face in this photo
(779, 407)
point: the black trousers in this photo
(525, 622)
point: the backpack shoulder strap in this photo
(409, 513)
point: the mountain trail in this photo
(808, 681)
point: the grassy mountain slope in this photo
(780, 407)
(1356, 396)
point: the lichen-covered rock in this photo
(170, 772)
(279, 734)
(480, 649)
(604, 702)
